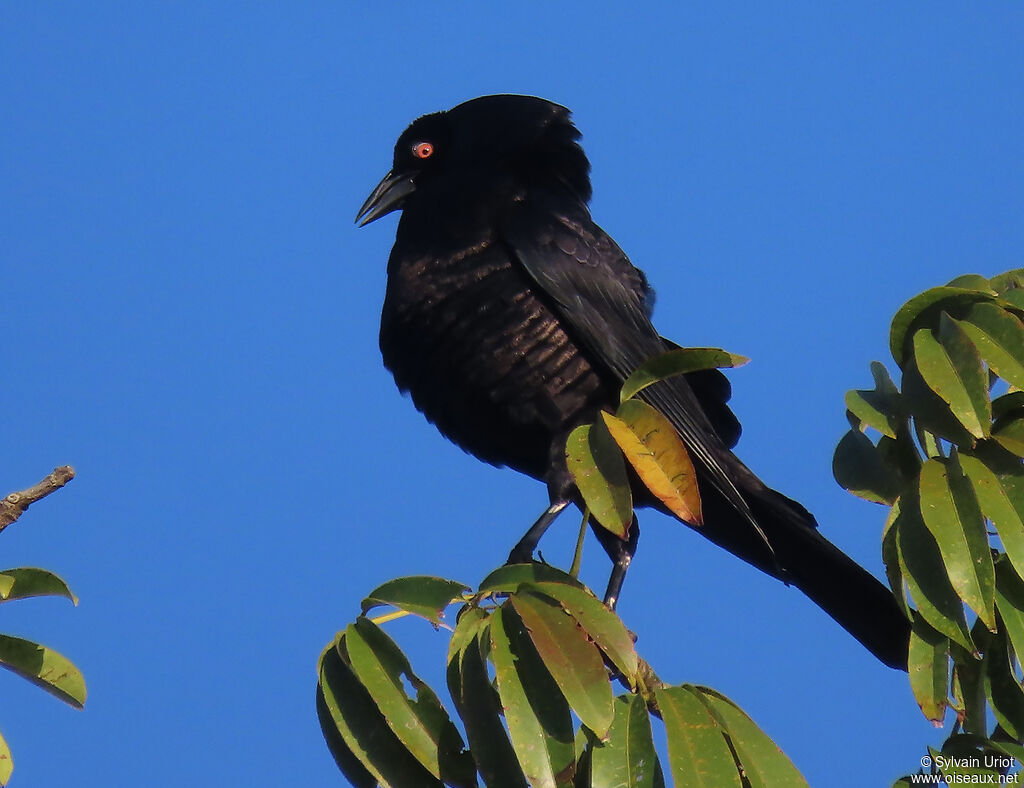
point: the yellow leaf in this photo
(655, 451)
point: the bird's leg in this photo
(523, 551)
(621, 552)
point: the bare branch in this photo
(12, 507)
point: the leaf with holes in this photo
(658, 456)
(354, 728)
(421, 723)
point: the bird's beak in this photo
(387, 197)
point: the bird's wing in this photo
(601, 297)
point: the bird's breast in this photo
(483, 356)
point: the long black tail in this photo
(803, 557)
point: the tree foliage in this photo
(39, 664)
(944, 451)
(545, 681)
(532, 650)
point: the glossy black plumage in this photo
(511, 317)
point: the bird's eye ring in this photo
(422, 150)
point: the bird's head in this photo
(490, 139)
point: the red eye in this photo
(422, 150)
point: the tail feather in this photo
(801, 556)
(862, 605)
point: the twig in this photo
(14, 505)
(647, 683)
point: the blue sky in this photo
(190, 319)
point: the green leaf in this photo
(925, 574)
(420, 595)
(900, 457)
(477, 703)
(953, 765)
(420, 723)
(1015, 298)
(469, 623)
(952, 514)
(677, 362)
(928, 666)
(601, 624)
(924, 308)
(599, 470)
(1001, 686)
(891, 559)
(351, 714)
(1010, 404)
(999, 337)
(869, 410)
(653, 448)
(44, 667)
(1010, 435)
(347, 761)
(698, 753)
(6, 762)
(628, 757)
(1010, 604)
(507, 579)
(538, 718)
(28, 581)
(972, 282)
(858, 467)
(952, 369)
(1012, 749)
(969, 682)
(764, 764)
(997, 507)
(879, 408)
(571, 657)
(1005, 282)
(930, 412)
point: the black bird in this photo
(511, 318)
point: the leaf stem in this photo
(577, 557)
